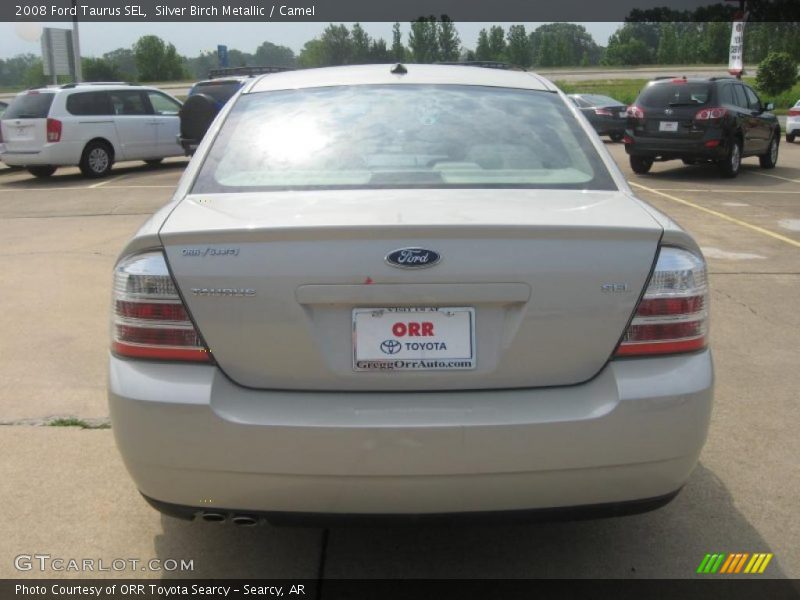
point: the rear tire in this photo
(641, 164)
(42, 172)
(154, 162)
(730, 165)
(770, 159)
(790, 137)
(616, 137)
(97, 160)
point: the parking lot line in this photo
(771, 234)
(775, 176)
(725, 191)
(107, 181)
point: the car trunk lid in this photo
(274, 281)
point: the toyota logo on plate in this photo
(390, 347)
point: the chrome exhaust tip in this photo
(244, 520)
(212, 517)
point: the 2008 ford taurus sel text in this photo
(386, 290)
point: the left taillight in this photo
(672, 316)
(53, 130)
(149, 319)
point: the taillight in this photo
(794, 112)
(53, 130)
(149, 319)
(707, 114)
(634, 112)
(603, 112)
(673, 313)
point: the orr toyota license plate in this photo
(413, 338)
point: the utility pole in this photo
(76, 44)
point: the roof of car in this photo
(415, 74)
(90, 87)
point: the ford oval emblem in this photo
(412, 258)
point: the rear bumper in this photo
(793, 125)
(191, 438)
(57, 154)
(668, 149)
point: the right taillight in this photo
(53, 130)
(634, 112)
(149, 319)
(794, 112)
(672, 316)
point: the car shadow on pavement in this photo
(68, 175)
(708, 174)
(667, 543)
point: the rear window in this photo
(89, 103)
(32, 105)
(401, 136)
(675, 94)
(597, 100)
(221, 91)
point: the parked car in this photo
(793, 123)
(3, 107)
(371, 295)
(607, 116)
(206, 99)
(719, 119)
(90, 125)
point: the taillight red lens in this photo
(53, 130)
(149, 319)
(794, 112)
(672, 316)
(710, 113)
(634, 112)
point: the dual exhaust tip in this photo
(242, 520)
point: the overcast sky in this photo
(191, 38)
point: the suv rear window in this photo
(89, 103)
(401, 136)
(32, 105)
(662, 95)
(221, 91)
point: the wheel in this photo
(770, 159)
(97, 160)
(616, 137)
(689, 162)
(790, 137)
(729, 166)
(153, 162)
(641, 164)
(42, 172)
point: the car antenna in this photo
(399, 69)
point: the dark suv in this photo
(718, 120)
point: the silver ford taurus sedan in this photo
(392, 290)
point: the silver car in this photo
(411, 289)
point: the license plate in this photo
(623, 115)
(413, 339)
(668, 126)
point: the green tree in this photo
(776, 73)
(379, 52)
(423, 40)
(563, 44)
(361, 44)
(157, 61)
(482, 50)
(398, 50)
(99, 69)
(633, 44)
(269, 54)
(497, 43)
(448, 40)
(124, 61)
(312, 55)
(667, 53)
(519, 46)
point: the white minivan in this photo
(89, 125)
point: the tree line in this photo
(658, 36)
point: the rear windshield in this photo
(32, 105)
(401, 136)
(675, 94)
(221, 91)
(597, 100)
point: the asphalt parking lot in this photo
(66, 492)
